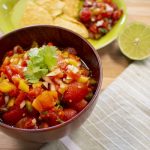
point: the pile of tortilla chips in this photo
(62, 13)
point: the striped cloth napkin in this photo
(121, 118)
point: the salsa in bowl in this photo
(43, 86)
(50, 80)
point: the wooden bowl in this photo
(61, 37)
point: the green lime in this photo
(134, 41)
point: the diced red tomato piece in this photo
(10, 53)
(24, 63)
(105, 25)
(99, 17)
(74, 76)
(107, 14)
(33, 93)
(15, 79)
(14, 69)
(80, 105)
(20, 98)
(50, 44)
(14, 92)
(50, 117)
(13, 116)
(8, 72)
(85, 15)
(117, 14)
(69, 113)
(75, 93)
(107, 1)
(93, 28)
(26, 123)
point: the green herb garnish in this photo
(42, 60)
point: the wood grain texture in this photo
(113, 64)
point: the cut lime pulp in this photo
(134, 41)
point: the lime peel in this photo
(134, 41)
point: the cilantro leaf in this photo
(49, 55)
(41, 61)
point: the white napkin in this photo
(121, 118)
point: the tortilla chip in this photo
(71, 7)
(35, 14)
(54, 7)
(72, 24)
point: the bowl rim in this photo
(91, 101)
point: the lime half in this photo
(134, 41)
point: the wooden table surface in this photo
(113, 64)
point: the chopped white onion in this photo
(22, 104)
(6, 99)
(99, 23)
(108, 7)
(72, 68)
(54, 73)
(34, 121)
(45, 84)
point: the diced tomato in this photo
(85, 15)
(73, 76)
(107, 1)
(117, 14)
(24, 63)
(8, 72)
(20, 98)
(13, 116)
(105, 25)
(11, 70)
(50, 44)
(10, 53)
(14, 69)
(99, 17)
(80, 105)
(107, 14)
(14, 92)
(50, 117)
(93, 28)
(75, 93)
(26, 123)
(69, 113)
(33, 93)
(15, 79)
